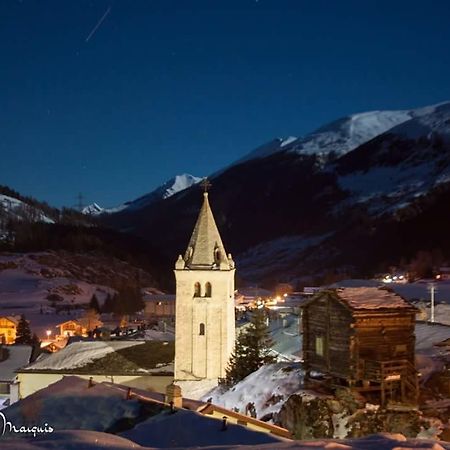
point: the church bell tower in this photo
(205, 319)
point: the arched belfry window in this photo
(201, 330)
(208, 289)
(197, 289)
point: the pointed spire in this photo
(205, 249)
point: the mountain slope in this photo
(340, 136)
(16, 209)
(292, 212)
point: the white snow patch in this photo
(280, 252)
(15, 208)
(268, 388)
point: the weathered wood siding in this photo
(385, 336)
(328, 319)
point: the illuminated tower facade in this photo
(205, 318)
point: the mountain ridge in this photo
(302, 204)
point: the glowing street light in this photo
(48, 333)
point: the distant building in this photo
(249, 296)
(79, 327)
(443, 274)
(159, 306)
(362, 338)
(8, 329)
(53, 346)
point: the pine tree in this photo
(252, 349)
(23, 333)
(93, 304)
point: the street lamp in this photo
(48, 333)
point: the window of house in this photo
(400, 349)
(202, 329)
(319, 346)
(208, 289)
(197, 289)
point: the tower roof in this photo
(205, 249)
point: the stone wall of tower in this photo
(205, 325)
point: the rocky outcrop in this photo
(308, 415)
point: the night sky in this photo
(112, 98)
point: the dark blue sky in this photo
(166, 87)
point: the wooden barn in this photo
(362, 338)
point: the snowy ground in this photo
(286, 338)
(92, 440)
(23, 290)
(268, 388)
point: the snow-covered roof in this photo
(73, 403)
(18, 357)
(159, 297)
(111, 357)
(367, 299)
(428, 335)
(191, 429)
(13, 319)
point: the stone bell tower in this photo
(205, 319)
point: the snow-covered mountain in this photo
(168, 189)
(291, 210)
(171, 187)
(343, 135)
(402, 164)
(92, 210)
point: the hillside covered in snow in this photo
(46, 286)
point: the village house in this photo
(362, 338)
(159, 306)
(8, 329)
(144, 364)
(78, 327)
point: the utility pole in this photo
(432, 287)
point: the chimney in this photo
(173, 396)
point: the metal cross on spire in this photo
(205, 184)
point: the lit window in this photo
(202, 329)
(319, 346)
